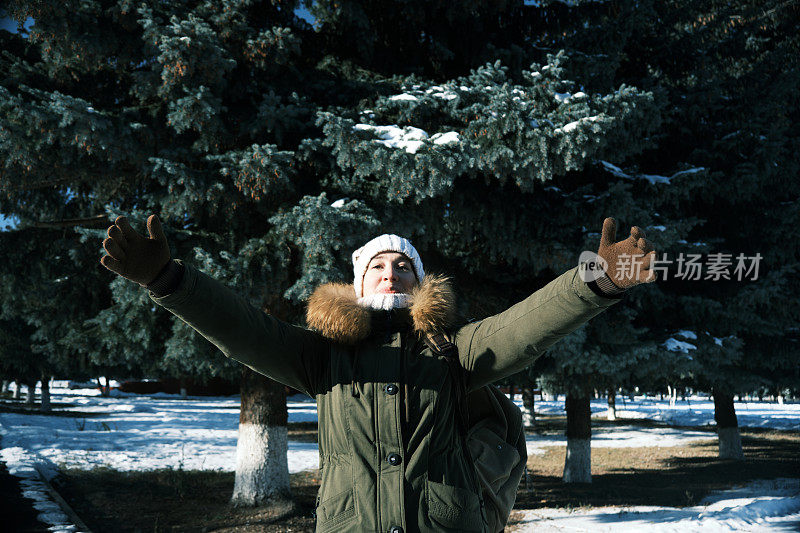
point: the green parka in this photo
(391, 453)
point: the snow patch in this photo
(562, 97)
(445, 138)
(567, 128)
(674, 345)
(409, 138)
(405, 97)
(31, 468)
(652, 178)
(769, 505)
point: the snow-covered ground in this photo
(137, 432)
(769, 505)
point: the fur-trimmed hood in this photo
(333, 310)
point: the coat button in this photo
(395, 529)
(391, 389)
(394, 459)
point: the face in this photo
(389, 272)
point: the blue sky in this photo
(11, 25)
(6, 223)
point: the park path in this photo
(17, 512)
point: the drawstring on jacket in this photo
(405, 386)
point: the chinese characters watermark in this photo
(687, 266)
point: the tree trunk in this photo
(45, 405)
(578, 463)
(262, 468)
(612, 404)
(17, 389)
(528, 408)
(511, 392)
(730, 441)
(31, 397)
(5, 386)
(780, 399)
(105, 390)
(182, 384)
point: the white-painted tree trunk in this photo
(17, 390)
(183, 386)
(673, 395)
(30, 399)
(730, 443)
(45, 405)
(528, 408)
(5, 386)
(578, 464)
(780, 399)
(262, 468)
(528, 418)
(104, 385)
(262, 471)
(578, 461)
(611, 414)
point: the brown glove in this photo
(628, 262)
(135, 257)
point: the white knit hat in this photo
(384, 243)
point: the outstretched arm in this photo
(289, 354)
(286, 353)
(506, 343)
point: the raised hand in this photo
(628, 262)
(133, 256)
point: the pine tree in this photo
(45, 287)
(728, 74)
(745, 61)
(187, 110)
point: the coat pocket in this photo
(493, 456)
(335, 511)
(453, 508)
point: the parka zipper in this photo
(353, 369)
(404, 389)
